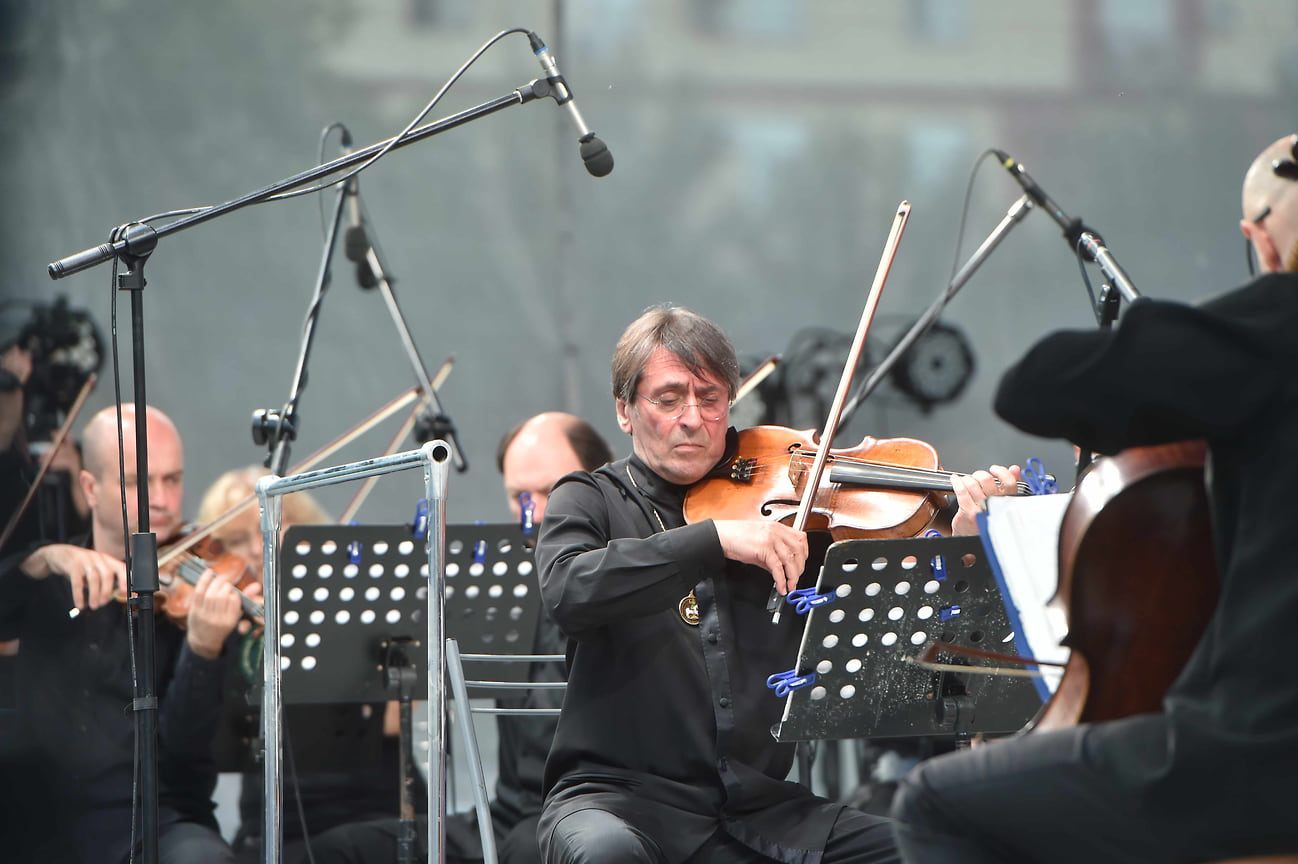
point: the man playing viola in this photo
(663, 751)
(75, 670)
(1210, 776)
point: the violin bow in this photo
(368, 484)
(198, 534)
(844, 384)
(48, 458)
(756, 377)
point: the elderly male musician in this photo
(663, 752)
(75, 671)
(1211, 775)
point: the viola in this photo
(1137, 579)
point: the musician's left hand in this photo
(973, 490)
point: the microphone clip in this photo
(553, 86)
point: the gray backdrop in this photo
(761, 149)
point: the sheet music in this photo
(1021, 536)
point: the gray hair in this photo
(696, 341)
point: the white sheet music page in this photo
(1021, 534)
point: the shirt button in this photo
(724, 702)
(712, 638)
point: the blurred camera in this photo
(66, 349)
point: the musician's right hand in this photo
(93, 576)
(776, 547)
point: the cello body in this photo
(1138, 579)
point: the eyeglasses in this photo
(711, 407)
(1285, 169)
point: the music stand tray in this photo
(348, 593)
(890, 603)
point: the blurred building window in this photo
(764, 149)
(940, 155)
(944, 22)
(600, 29)
(441, 14)
(1141, 43)
(762, 19)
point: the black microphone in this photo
(1072, 228)
(594, 152)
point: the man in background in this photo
(531, 458)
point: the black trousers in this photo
(600, 837)
(1038, 798)
(376, 842)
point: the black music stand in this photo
(889, 605)
(342, 606)
(353, 601)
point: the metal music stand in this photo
(434, 457)
(890, 602)
(354, 599)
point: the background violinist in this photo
(75, 673)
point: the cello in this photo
(1137, 579)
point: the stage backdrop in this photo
(761, 150)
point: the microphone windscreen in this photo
(365, 276)
(596, 156)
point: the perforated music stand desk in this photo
(889, 606)
(348, 592)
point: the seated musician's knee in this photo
(598, 837)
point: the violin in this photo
(881, 488)
(182, 570)
(1138, 581)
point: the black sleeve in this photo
(191, 706)
(590, 579)
(1169, 372)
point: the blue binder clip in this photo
(421, 519)
(480, 552)
(784, 683)
(804, 600)
(948, 613)
(1039, 482)
(938, 562)
(526, 523)
(354, 552)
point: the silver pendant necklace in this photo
(689, 605)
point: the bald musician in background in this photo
(75, 672)
(531, 458)
(1210, 776)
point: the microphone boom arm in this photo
(96, 255)
(438, 425)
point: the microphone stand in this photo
(278, 428)
(434, 423)
(138, 242)
(131, 244)
(1018, 210)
